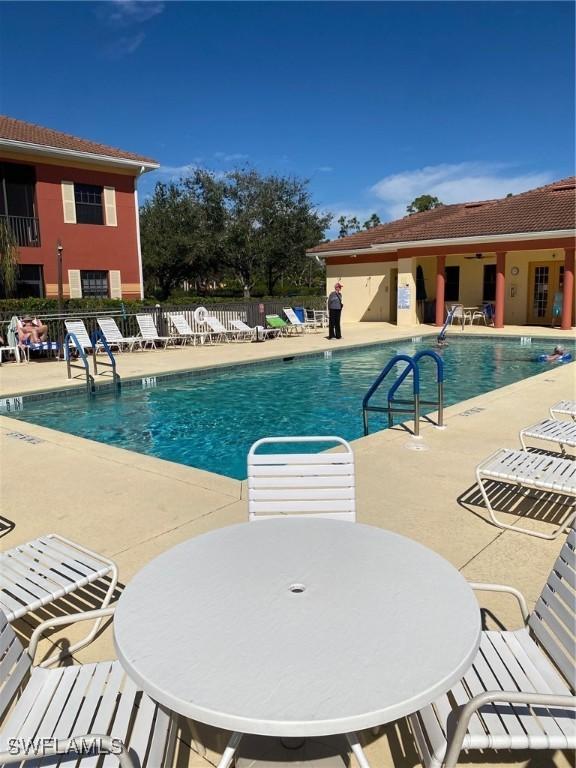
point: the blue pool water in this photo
(209, 421)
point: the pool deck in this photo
(132, 507)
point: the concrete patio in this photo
(132, 507)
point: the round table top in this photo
(296, 627)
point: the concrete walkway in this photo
(132, 507)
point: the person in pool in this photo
(559, 352)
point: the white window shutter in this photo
(115, 284)
(110, 206)
(68, 202)
(75, 283)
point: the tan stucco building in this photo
(516, 253)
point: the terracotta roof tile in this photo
(28, 133)
(545, 209)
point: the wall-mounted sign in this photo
(404, 297)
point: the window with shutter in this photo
(110, 206)
(68, 202)
(115, 284)
(74, 284)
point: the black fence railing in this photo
(253, 313)
(25, 229)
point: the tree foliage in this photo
(8, 260)
(423, 203)
(242, 226)
(350, 225)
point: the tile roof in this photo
(545, 209)
(28, 133)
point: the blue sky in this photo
(374, 102)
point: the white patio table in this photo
(297, 627)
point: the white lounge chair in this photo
(41, 571)
(562, 433)
(150, 333)
(218, 330)
(536, 471)
(184, 330)
(563, 408)
(519, 692)
(299, 484)
(64, 710)
(78, 328)
(294, 320)
(114, 335)
(252, 333)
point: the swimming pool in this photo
(209, 419)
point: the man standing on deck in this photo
(334, 312)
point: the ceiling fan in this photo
(477, 256)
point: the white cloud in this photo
(127, 12)
(325, 169)
(453, 183)
(124, 46)
(225, 157)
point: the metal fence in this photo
(252, 313)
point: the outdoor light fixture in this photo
(514, 271)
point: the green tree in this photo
(373, 221)
(8, 260)
(423, 203)
(349, 225)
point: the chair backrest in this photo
(301, 484)
(275, 321)
(292, 316)
(458, 310)
(147, 327)
(240, 325)
(14, 665)
(554, 616)
(110, 329)
(180, 323)
(215, 325)
(78, 328)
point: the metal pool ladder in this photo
(413, 405)
(96, 337)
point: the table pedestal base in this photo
(319, 752)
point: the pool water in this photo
(209, 421)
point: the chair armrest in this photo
(464, 713)
(81, 744)
(478, 586)
(61, 621)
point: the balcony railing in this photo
(25, 229)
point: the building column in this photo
(568, 297)
(440, 286)
(500, 289)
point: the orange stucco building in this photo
(58, 189)
(516, 253)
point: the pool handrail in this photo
(90, 386)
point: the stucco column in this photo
(568, 297)
(440, 286)
(500, 289)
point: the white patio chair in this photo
(519, 692)
(535, 471)
(252, 333)
(63, 710)
(150, 333)
(42, 570)
(562, 433)
(114, 335)
(563, 408)
(300, 484)
(478, 314)
(184, 330)
(294, 320)
(78, 328)
(459, 314)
